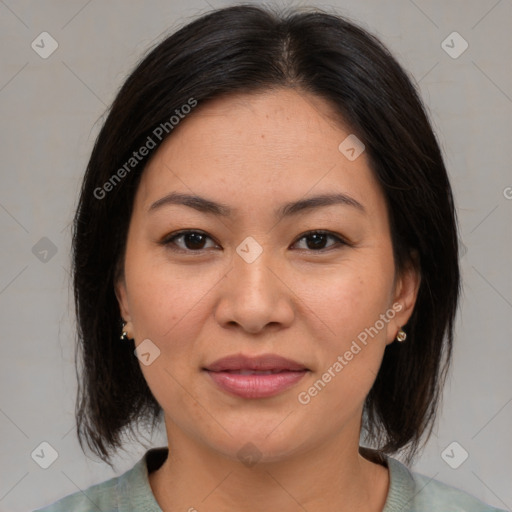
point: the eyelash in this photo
(169, 240)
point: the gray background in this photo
(52, 109)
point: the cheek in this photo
(167, 307)
(349, 299)
(348, 306)
(351, 348)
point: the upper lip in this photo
(263, 363)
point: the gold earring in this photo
(401, 335)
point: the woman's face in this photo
(254, 282)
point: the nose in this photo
(255, 296)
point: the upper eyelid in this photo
(173, 236)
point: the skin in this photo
(254, 153)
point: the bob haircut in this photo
(251, 49)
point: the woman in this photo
(267, 223)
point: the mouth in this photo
(255, 377)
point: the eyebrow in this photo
(208, 206)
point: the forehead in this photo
(277, 121)
(258, 148)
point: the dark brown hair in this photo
(253, 49)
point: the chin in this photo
(257, 446)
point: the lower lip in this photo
(256, 386)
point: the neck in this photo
(331, 477)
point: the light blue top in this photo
(131, 492)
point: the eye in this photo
(194, 241)
(317, 240)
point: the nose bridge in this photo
(252, 271)
(252, 295)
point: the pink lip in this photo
(256, 386)
(225, 372)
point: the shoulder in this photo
(128, 492)
(432, 493)
(101, 496)
(419, 493)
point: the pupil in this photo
(194, 240)
(318, 241)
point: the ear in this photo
(122, 299)
(404, 296)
